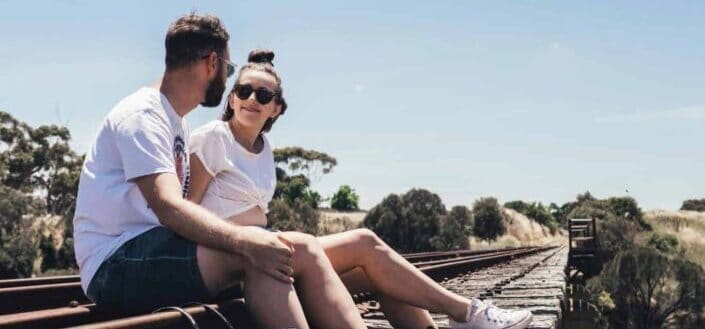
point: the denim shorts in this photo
(155, 269)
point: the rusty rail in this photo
(79, 311)
(38, 281)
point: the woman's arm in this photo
(200, 178)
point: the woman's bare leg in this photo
(323, 295)
(390, 274)
(399, 314)
(273, 303)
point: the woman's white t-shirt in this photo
(242, 180)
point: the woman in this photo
(233, 175)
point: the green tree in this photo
(296, 168)
(558, 213)
(345, 199)
(18, 241)
(299, 216)
(309, 163)
(455, 229)
(585, 197)
(489, 222)
(535, 211)
(650, 290)
(40, 161)
(542, 215)
(385, 219)
(297, 188)
(608, 209)
(39, 176)
(518, 205)
(625, 207)
(694, 205)
(408, 223)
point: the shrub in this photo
(300, 216)
(694, 205)
(517, 205)
(455, 229)
(385, 219)
(19, 251)
(625, 207)
(19, 241)
(648, 289)
(345, 199)
(408, 222)
(664, 242)
(489, 223)
(535, 211)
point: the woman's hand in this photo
(270, 253)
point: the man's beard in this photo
(215, 90)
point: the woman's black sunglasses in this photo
(263, 95)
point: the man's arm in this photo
(200, 179)
(263, 249)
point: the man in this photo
(131, 216)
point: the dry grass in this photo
(354, 216)
(521, 231)
(333, 221)
(687, 226)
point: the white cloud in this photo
(688, 113)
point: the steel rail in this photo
(87, 315)
(50, 295)
(412, 257)
(38, 281)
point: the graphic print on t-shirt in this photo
(182, 165)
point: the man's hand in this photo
(269, 252)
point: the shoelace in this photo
(495, 314)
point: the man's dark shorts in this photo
(157, 268)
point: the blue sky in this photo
(517, 100)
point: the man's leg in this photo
(273, 303)
(323, 295)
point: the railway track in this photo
(535, 282)
(58, 302)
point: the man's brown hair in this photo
(191, 37)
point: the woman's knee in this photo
(369, 246)
(368, 238)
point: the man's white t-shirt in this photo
(241, 180)
(141, 135)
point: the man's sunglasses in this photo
(263, 95)
(231, 65)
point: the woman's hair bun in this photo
(261, 56)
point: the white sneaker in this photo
(481, 315)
